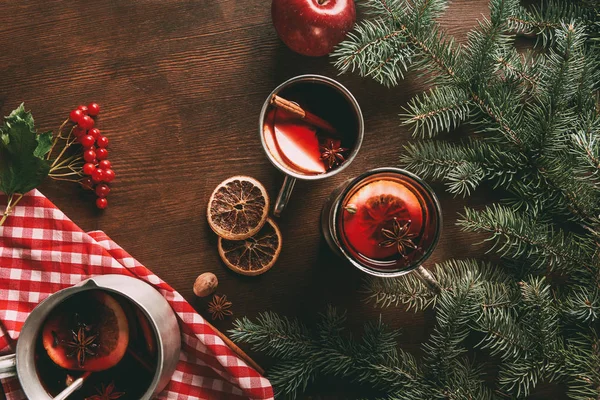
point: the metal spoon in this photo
(73, 387)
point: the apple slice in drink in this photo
(269, 136)
(298, 143)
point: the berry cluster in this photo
(97, 169)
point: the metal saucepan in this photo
(157, 310)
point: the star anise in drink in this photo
(332, 154)
(399, 236)
(106, 393)
(82, 344)
(219, 307)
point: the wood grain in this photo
(181, 84)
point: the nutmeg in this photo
(205, 284)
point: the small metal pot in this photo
(155, 307)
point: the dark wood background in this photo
(181, 84)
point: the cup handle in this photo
(284, 195)
(8, 366)
(428, 279)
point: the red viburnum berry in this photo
(89, 156)
(93, 109)
(102, 190)
(86, 141)
(94, 132)
(101, 154)
(87, 183)
(86, 122)
(102, 141)
(104, 164)
(109, 175)
(88, 168)
(98, 175)
(101, 203)
(75, 115)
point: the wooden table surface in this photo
(181, 84)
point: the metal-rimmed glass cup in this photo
(290, 175)
(432, 222)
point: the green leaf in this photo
(19, 114)
(22, 167)
(44, 144)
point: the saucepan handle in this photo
(284, 195)
(8, 366)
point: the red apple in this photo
(313, 27)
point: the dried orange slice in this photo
(238, 208)
(254, 255)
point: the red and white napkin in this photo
(43, 251)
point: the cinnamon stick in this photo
(140, 360)
(237, 350)
(298, 111)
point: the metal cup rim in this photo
(349, 97)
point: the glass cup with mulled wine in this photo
(105, 338)
(311, 127)
(386, 222)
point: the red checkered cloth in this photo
(42, 251)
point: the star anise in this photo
(332, 153)
(81, 344)
(399, 237)
(219, 307)
(106, 393)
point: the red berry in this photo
(95, 132)
(83, 109)
(102, 141)
(93, 109)
(102, 190)
(86, 122)
(75, 115)
(97, 175)
(104, 164)
(78, 131)
(101, 203)
(88, 168)
(101, 154)
(109, 175)
(89, 156)
(86, 141)
(87, 183)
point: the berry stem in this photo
(58, 136)
(63, 179)
(10, 206)
(65, 147)
(62, 163)
(65, 174)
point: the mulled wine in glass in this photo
(385, 222)
(100, 334)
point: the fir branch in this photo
(516, 234)
(441, 109)
(454, 312)
(445, 161)
(584, 365)
(407, 290)
(543, 20)
(275, 335)
(582, 304)
(375, 49)
(524, 68)
(523, 368)
(586, 147)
